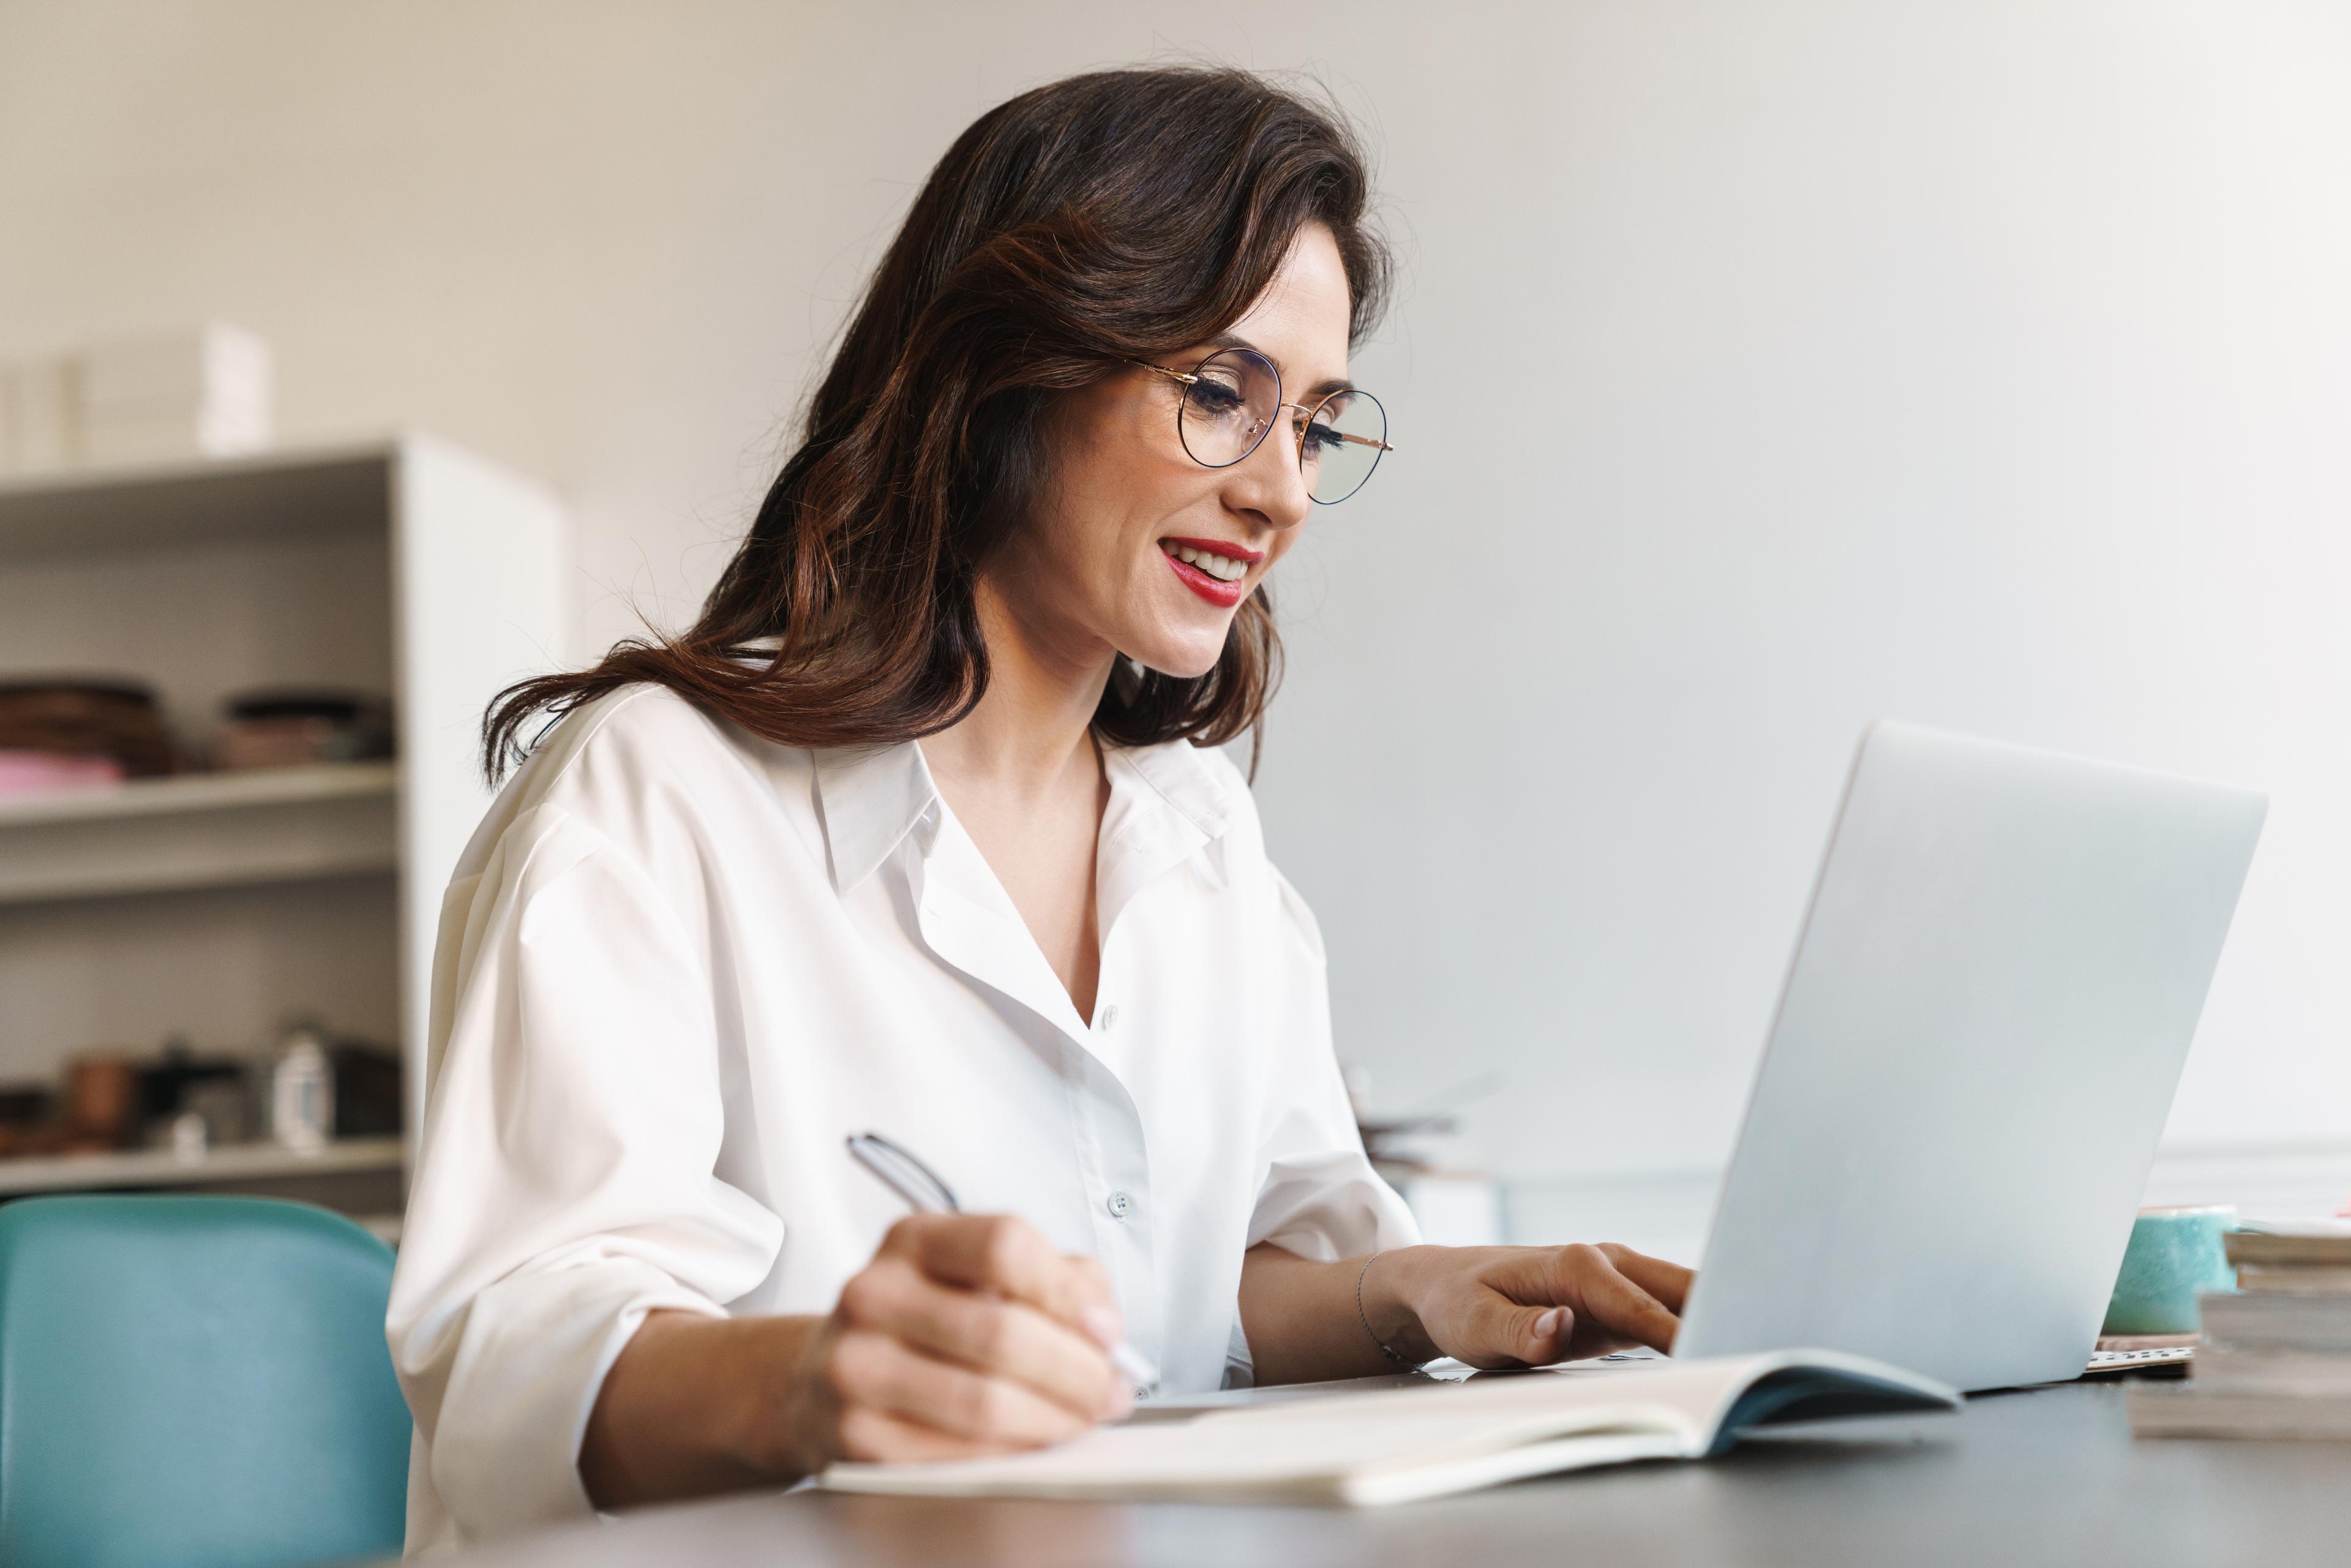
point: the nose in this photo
(1267, 485)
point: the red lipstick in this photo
(1215, 590)
(1221, 547)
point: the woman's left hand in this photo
(1521, 1306)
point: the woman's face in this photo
(1097, 571)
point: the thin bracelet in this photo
(1364, 1318)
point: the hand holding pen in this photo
(924, 1193)
(967, 1335)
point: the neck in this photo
(1033, 722)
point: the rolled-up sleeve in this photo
(567, 1186)
(1319, 1196)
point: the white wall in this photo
(1760, 369)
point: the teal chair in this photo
(192, 1381)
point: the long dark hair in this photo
(1114, 216)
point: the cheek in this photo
(1101, 492)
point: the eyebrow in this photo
(1312, 395)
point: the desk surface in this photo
(2048, 1476)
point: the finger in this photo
(874, 1371)
(1612, 1302)
(1493, 1330)
(1668, 1283)
(998, 1252)
(877, 1437)
(988, 1333)
(1541, 1336)
(1104, 1322)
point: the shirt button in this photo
(1120, 1206)
(1109, 1019)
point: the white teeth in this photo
(1224, 569)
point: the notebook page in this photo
(1315, 1447)
(1209, 1457)
(1389, 1445)
(1686, 1397)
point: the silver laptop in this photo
(1986, 1014)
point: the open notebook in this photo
(1410, 1443)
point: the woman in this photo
(910, 834)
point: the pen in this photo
(924, 1193)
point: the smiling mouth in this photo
(1223, 567)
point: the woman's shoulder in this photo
(642, 721)
(630, 739)
(642, 767)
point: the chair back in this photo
(190, 1381)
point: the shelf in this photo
(163, 505)
(201, 792)
(219, 829)
(161, 1168)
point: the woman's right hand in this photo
(967, 1335)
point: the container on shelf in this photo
(102, 1101)
(302, 728)
(301, 1091)
(113, 719)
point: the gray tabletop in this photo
(2046, 1475)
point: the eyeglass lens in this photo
(1233, 399)
(1342, 444)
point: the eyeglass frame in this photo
(1191, 378)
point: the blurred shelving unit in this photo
(214, 905)
(361, 1176)
(201, 831)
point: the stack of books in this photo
(2275, 1357)
(202, 394)
(206, 391)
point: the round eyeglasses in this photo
(1231, 400)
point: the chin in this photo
(1186, 660)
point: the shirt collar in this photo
(1175, 772)
(871, 798)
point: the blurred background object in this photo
(1424, 1155)
(207, 391)
(75, 725)
(300, 729)
(216, 1091)
(368, 1092)
(201, 393)
(26, 772)
(301, 1091)
(26, 1111)
(101, 1102)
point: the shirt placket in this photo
(1113, 1164)
(1107, 1130)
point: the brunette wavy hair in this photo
(1109, 217)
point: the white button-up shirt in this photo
(678, 966)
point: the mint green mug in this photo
(2173, 1254)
